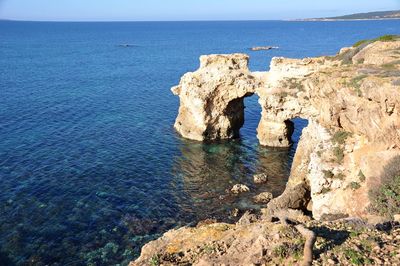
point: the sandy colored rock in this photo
(351, 101)
(211, 98)
(264, 197)
(260, 178)
(258, 242)
(239, 188)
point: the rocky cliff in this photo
(211, 99)
(351, 101)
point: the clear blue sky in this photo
(115, 10)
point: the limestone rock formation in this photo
(247, 243)
(260, 178)
(351, 144)
(263, 197)
(239, 188)
(351, 101)
(211, 98)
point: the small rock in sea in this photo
(264, 197)
(239, 188)
(260, 48)
(260, 178)
(126, 45)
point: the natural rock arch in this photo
(211, 99)
(351, 102)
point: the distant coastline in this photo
(378, 15)
(334, 19)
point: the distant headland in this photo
(379, 15)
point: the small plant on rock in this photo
(354, 185)
(361, 176)
(154, 260)
(385, 200)
(338, 152)
(340, 137)
(328, 174)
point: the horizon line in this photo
(194, 20)
(200, 20)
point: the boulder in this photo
(239, 188)
(260, 178)
(264, 197)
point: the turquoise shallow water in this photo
(90, 166)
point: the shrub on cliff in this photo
(347, 56)
(385, 200)
(384, 38)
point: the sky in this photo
(160, 10)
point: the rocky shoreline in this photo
(345, 174)
(256, 240)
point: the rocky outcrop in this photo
(350, 146)
(255, 241)
(351, 101)
(263, 48)
(211, 98)
(352, 104)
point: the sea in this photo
(91, 168)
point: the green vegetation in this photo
(347, 57)
(354, 185)
(354, 233)
(281, 251)
(325, 190)
(356, 258)
(209, 249)
(328, 174)
(283, 94)
(392, 65)
(370, 15)
(386, 200)
(340, 176)
(154, 260)
(355, 82)
(294, 83)
(340, 137)
(285, 250)
(384, 38)
(338, 152)
(361, 176)
(359, 43)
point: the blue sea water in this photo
(90, 165)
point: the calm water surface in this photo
(90, 166)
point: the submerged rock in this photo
(239, 188)
(260, 178)
(264, 197)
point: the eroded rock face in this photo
(351, 143)
(211, 98)
(351, 101)
(352, 104)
